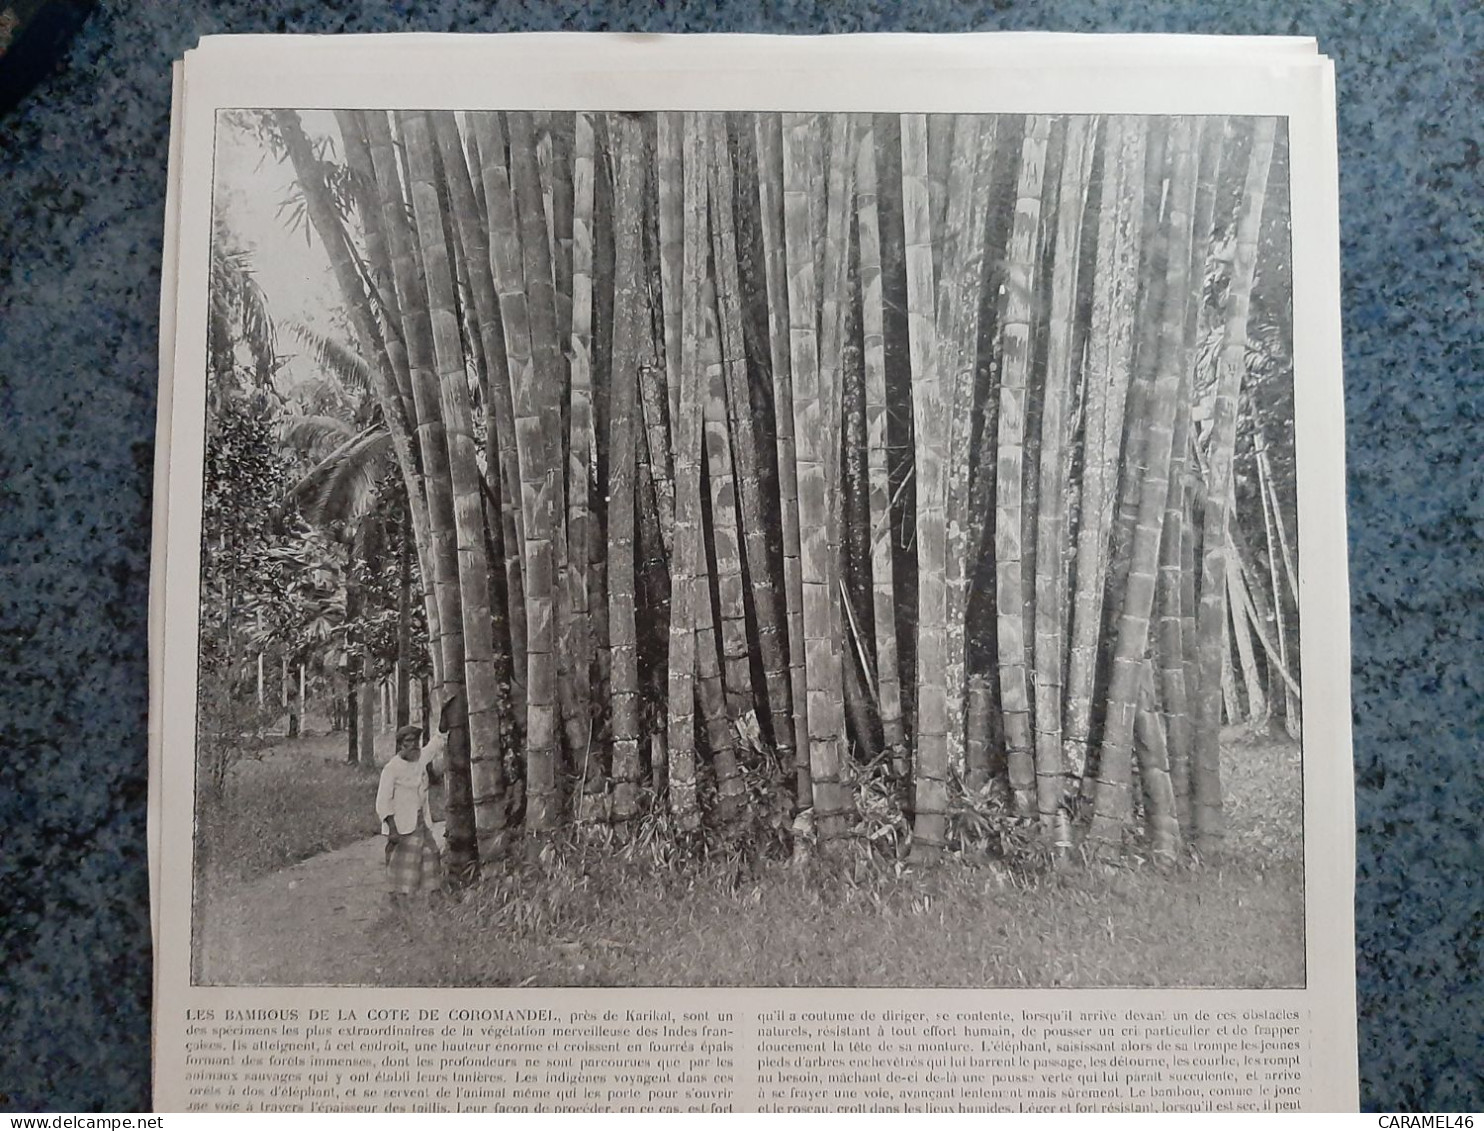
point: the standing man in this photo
(406, 818)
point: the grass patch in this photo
(574, 919)
(300, 799)
(591, 915)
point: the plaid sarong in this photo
(413, 861)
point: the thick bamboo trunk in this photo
(1260, 614)
(960, 276)
(832, 259)
(1231, 366)
(940, 159)
(1113, 804)
(722, 669)
(1290, 575)
(812, 444)
(1229, 702)
(537, 420)
(689, 552)
(769, 639)
(509, 283)
(726, 543)
(1160, 823)
(404, 621)
(888, 671)
(554, 165)
(930, 430)
(628, 348)
(1242, 616)
(500, 446)
(1272, 519)
(652, 400)
(392, 380)
(417, 335)
(1145, 361)
(668, 170)
(580, 443)
(1109, 350)
(481, 687)
(792, 736)
(1010, 590)
(1174, 693)
(855, 549)
(1181, 766)
(1051, 519)
(962, 373)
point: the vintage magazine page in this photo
(752, 574)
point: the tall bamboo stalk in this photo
(1161, 825)
(518, 260)
(1015, 334)
(743, 433)
(629, 312)
(726, 543)
(811, 446)
(581, 441)
(500, 413)
(417, 334)
(1290, 575)
(1231, 365)
(792, 736)
(393, 381)
(1267, 496)
(930, 429)
(481, 686)
(1242, 616)
(834, 304)
(1173, 691)
(668, 146)
(960, 276)
(1113, 801)
(888, 671)
(722, 667)
(1051, 524)
(688, 427)
(961, 372)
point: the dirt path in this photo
(324, 921)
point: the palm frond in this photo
(238, 304)
(342, 487)
(318, 394)
(314, 434)
(333, 356)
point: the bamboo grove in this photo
(750, 459)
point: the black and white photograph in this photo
(738, 548)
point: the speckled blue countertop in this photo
(82, 187)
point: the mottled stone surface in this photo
(82, 184)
